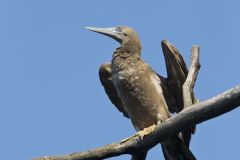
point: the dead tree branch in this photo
(187, 89)
(188, 95)
(190, 116)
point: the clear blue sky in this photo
(51, 100)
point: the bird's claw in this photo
(142, 133)
(146, 131)
(126, 139)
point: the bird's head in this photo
(126, 36)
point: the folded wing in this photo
(105, 75)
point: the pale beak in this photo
(110, 32)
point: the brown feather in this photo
(105, 75)
(177, 73)
(136, 90)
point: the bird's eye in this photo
(119, 29)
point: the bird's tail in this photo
(175, 149)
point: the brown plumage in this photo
(177, 73)
(105, 75)
(141, 94)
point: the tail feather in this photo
(139, 156)
(175, 149)
(187, 134)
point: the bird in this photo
(142, 95)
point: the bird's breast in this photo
(140, 95)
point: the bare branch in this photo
(187, 89)
(188, 95)
(189, 117)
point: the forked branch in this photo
(188, 95)
(191, 116)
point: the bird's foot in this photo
(126, 139)
(142, 133)
(146, 131)
(160, 118)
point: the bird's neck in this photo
(130, 48)
(122, 59)
(122, 53)
(127, 55)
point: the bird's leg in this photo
(160, 118)
(150, 129)
(142, 133)
(146, 131)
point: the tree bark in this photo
(189, 117)
(188, 94)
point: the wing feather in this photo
(177, 73)
(105, 75)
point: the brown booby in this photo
(139, 92)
